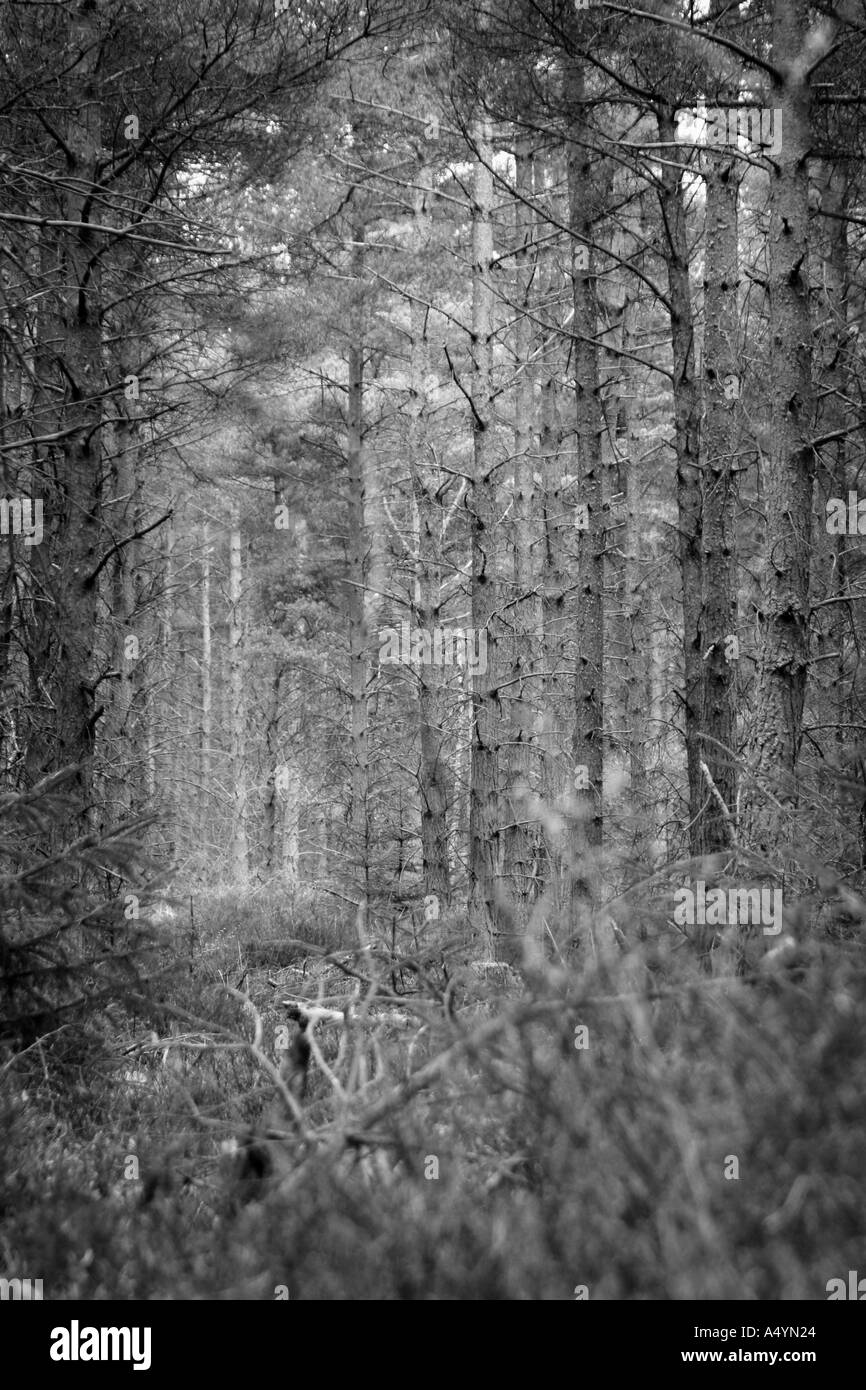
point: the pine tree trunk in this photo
(636, 598)
(777, 717)
(434, 780)
(485, 820)
(356, 606)
(556, 527)
(556, 764)
(275, 779)
(206, 735)
(291, 825)
(721, 388)
(687, 445)
(587, 741)
(522, 830)
(72, 265)
(237, 708)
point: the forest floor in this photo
(598, 1128)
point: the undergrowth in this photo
(624, 1121)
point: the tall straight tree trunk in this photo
(721, 388)
(276, 778)
(433, 773)
(635, 597)
(237, 707)
(74, 267)
(557, 516)
(126, 578)
(556, 522)
(783, 622)
(15, 575)
(458, 821)
(587, 742)
(356, 605)
(206, 745)
(160, 699)
(291, 826)
(485, 821)
(831, 685)
(521, 830)
(687, 446)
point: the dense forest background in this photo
(433, 805)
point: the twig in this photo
(728, 819)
